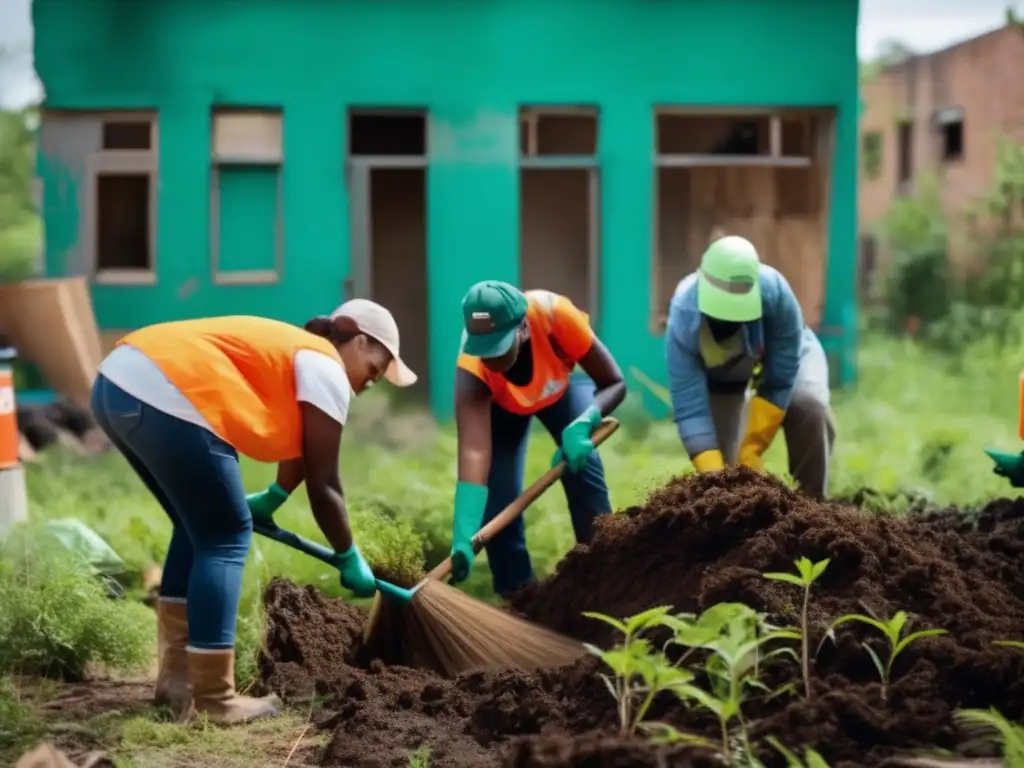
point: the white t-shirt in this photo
(319, 380)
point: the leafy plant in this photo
(807, 573)
(639, 671)
(992, 726)
(893, 631)
(735, 636)
(420, 758)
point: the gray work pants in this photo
(808, 425)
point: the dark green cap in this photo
(492, 312)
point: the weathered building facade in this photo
(940, 114)
(276, 157)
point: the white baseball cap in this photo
(375, 321)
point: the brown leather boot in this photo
(172, 688)
(212, 673)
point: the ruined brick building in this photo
(939, 113)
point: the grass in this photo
(913, 422)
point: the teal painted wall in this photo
(472, 64)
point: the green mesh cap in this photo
(492, 312)
(727, 281)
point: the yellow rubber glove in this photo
(708, 461)
(763, 422)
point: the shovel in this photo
(500, 521)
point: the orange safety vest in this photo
(553, 362)
(239, 373)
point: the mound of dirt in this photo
(698, 541)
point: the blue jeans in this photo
(585, 491)
(196, 478)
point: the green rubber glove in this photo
(470, 502)
(263, 504)
(1008, 465)
(576, 443)
(355, 572)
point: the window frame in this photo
(226, 158)
(121, 162)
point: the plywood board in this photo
(52, 324)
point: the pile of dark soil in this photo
(697, 542)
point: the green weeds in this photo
(56, 619)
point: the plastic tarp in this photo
(81, 540)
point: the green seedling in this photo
(811, 758)
(893, 631)
(1010, 643)
(420, 758)
(806, 574)
(735, 636)
(991, 726)
(639, 671)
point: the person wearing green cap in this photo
(518, 353)
(729, 319)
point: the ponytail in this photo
(338, 331)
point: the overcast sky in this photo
(924, 25)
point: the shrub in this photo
(57, 619)
(19, 724)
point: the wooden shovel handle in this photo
(502, 520)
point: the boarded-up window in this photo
(245, 196)
(762, 176)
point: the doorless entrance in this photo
(387, 185)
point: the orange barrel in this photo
(8, 420)
(1020, 406)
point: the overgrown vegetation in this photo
(57, 619)
(955, 280)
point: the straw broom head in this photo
(445, 630)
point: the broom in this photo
(436, 626)
(443, 629)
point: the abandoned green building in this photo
(274, 157)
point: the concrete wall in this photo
(472, 65)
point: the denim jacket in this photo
(698, 366)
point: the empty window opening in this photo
(127, 134)
(871, 154)
(905, 144)
(123, 221)
(388, 252)
(558, 131)
(679, 134)
(387, 133)
(558, 225)
(953, 140)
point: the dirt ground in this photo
(697, 542)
